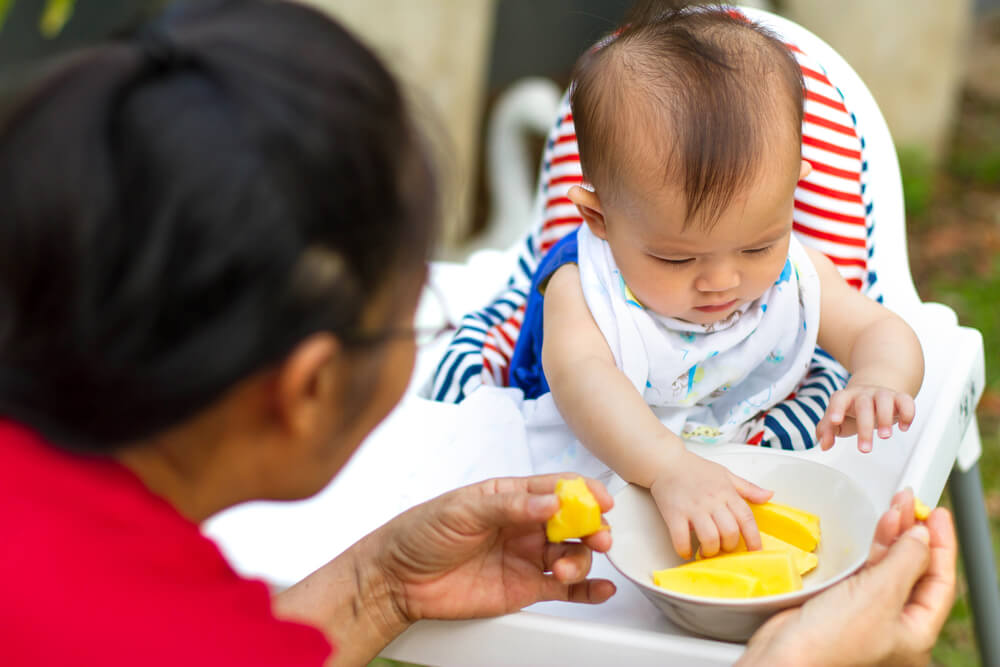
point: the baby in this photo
(684, 304)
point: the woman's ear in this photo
(589, 205)
(306, 385)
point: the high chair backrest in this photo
(855, 182)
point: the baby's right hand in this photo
(695, 493)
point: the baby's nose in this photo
(718, 278)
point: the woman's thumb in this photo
(904, 564)
(516, 507)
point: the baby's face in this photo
(697, 275)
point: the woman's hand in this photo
(481, 551)
(692, 492)
(890, 613)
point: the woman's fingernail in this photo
(920, 532)
(865, 446)
(541, 504)
(884, 433)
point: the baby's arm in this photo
(880, 351)
(611, 418)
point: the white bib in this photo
(705, 381)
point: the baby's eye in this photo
(676, 262)
(759, 251)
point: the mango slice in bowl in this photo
(775, 570)
(804, 561)
(789, 524)
(712, 583)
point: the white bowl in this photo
(847, 523)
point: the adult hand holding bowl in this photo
(642, 541)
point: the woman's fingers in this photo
(544, 484)
(898, 571)
(591, 591)
(569, 562)
(886, 532)
(934, 593)
(601, 540)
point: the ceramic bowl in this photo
(847, 521)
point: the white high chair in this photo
(433, 447)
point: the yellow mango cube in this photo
(776, 570)
(804, 561)
(708, 583)
(579, 514)
(920, 510)
(789, 524)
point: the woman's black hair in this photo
(181, 208)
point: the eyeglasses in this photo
(431, 322)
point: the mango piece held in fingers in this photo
(789, 524)
(775, 569)
(804, 561)
(579, 514)
(920, 510)
(708, 583)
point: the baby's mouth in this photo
(718, 307)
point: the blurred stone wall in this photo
(439, 49)
(910, 53)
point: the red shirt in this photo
(97, 570)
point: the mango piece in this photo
(795, 526)
(775, 569)
(804, 561)
(579, 514)
(920, 510)
(708, 583)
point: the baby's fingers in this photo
(864, 417)
(707, 532)
(826, 433)
(749, 490)
(885, 412)
(680, 533)
(729, 530)
(748, 525)
(906, 410)
(840, 403)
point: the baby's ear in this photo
(589, 205)
(805, 169)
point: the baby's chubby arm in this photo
(611, 418)
(880, 351)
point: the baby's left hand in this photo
(861, 409)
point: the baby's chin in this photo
(709, 317)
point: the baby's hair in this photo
(704, 83)
(182, 208)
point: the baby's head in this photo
(689, 128)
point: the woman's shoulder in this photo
(102, 571)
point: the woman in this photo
(212, 244)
